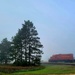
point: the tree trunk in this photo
(26, 56)
(21, 54)
(29, 55)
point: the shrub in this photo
(11, 69)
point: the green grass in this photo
(49, 69)
(52, 69)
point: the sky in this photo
(53, 19)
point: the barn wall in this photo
(62, 57)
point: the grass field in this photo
(49, 69)
(53, 69)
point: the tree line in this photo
(25, 49)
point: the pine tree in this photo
(5, 51)
(31, 42)
(27, 44)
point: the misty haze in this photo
(37, 34)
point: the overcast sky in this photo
(53, 19)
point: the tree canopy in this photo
(25, 48)
(5, 47)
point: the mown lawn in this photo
(49, 69)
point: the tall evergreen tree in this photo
(31, 42)
(17, 51)
(27, 44)
(5, 51)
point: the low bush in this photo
(11, 69)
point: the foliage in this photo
(24, 49)
(11, 69)
(5, 47)
(27, 46)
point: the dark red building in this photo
(62, 57)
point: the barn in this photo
(61, 58)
